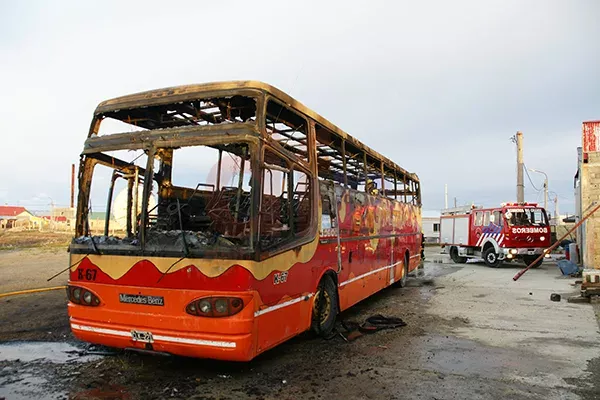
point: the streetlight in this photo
(545, 186)
(51, 211)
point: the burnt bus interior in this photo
(341, 160)
(213, 207)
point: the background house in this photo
(18, 217)
(431, 226)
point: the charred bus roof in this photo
(186, 93)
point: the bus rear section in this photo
(146, 310)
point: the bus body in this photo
(242, 219)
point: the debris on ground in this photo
(555, 297)
(578, 299)
(568, 267)
(354, 330)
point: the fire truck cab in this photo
(513, 231)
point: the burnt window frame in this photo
(298, 238)
(295, 150)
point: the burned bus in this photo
(234, 219)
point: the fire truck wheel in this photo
(325, 308)
(490, 257)
(455, 257)
(529, 259)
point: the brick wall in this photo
(590, 193)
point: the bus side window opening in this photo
(328, 216)
(285, 211)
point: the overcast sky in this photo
(437, 86)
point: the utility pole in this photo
(446, 196)
(72, 185)
(520, 185)
(556, 214)
(546, 193)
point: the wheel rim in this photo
(323, 306)
(491, 258)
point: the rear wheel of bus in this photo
(402, 281)
(325, 307)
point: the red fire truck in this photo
(513, 231)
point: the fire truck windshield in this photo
(526, 217)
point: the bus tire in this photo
(529, 259)
(455, 257)
(325, 307)
(490, 257)
(402, 281)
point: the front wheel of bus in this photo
(325, 307)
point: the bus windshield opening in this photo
(199, 198)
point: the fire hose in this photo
(31, 291)
(555, 245)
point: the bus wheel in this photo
(529, 259)
(490, 257)
(402, 281)
(325, 307)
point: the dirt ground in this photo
(11, 239)
(472, 333)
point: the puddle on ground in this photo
(53, 352)
(25, 386)
(25, 374)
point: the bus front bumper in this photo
(232, 347)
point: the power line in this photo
(529, 177)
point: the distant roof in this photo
(100, 215)
(56, 218)
(11, 211)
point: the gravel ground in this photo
(472, 333)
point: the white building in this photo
(431, 226)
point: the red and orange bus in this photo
(219, 220)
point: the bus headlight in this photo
(87, 297)
(82, 296)
(204, 306)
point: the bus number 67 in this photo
(88, 274)
(280, 277)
